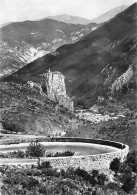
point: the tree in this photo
(101, 179)
(128, 181)
(45, 164)
(115, 165)
(32, 183)
(95, 173)
(70, 172)
(124, 168)
(127, 178)
(20, 154)
(131, 160)
(43, 189)
(35, 149)
(94, 177)
(82, 173)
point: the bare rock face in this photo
(56, 89)
(122, 80)
(37, 87)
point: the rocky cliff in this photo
(56, 89)
(123, 79)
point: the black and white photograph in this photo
(68, 97)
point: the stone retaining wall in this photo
(87, 162)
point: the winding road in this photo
(79, 149)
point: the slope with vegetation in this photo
(33, 112)
(70, 19)
(110, 14)
(29, 40)
(43, 179)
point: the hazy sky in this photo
(19, 10)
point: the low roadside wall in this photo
(87, 162)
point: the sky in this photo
(20, 10)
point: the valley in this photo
(66, 77)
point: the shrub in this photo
(131, 160)
(70, 172)
(66, 153)
(20, 154)
(126, 177)
(101, 179)
(45, 164)
(43, 189)
(95, 173)
(32, 183)
(24, 183)
(112, 186)
(80, 103)
(35, 149)
(129, 182)
(3, 155)
(115, 165)
(48, 172)
(62, 173)
(82, 173)
(124, 168)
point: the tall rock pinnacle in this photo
(56, 89)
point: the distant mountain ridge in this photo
(110, 14)
(70, 19)
(79, 20)
(5, 24)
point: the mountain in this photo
(46, 31)
(78, 20)
(23, 42)
(70, 19)
(9, 61)
(37, 32)
(29, 40)
(110, 14)
(4, 24)
(93, 64)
